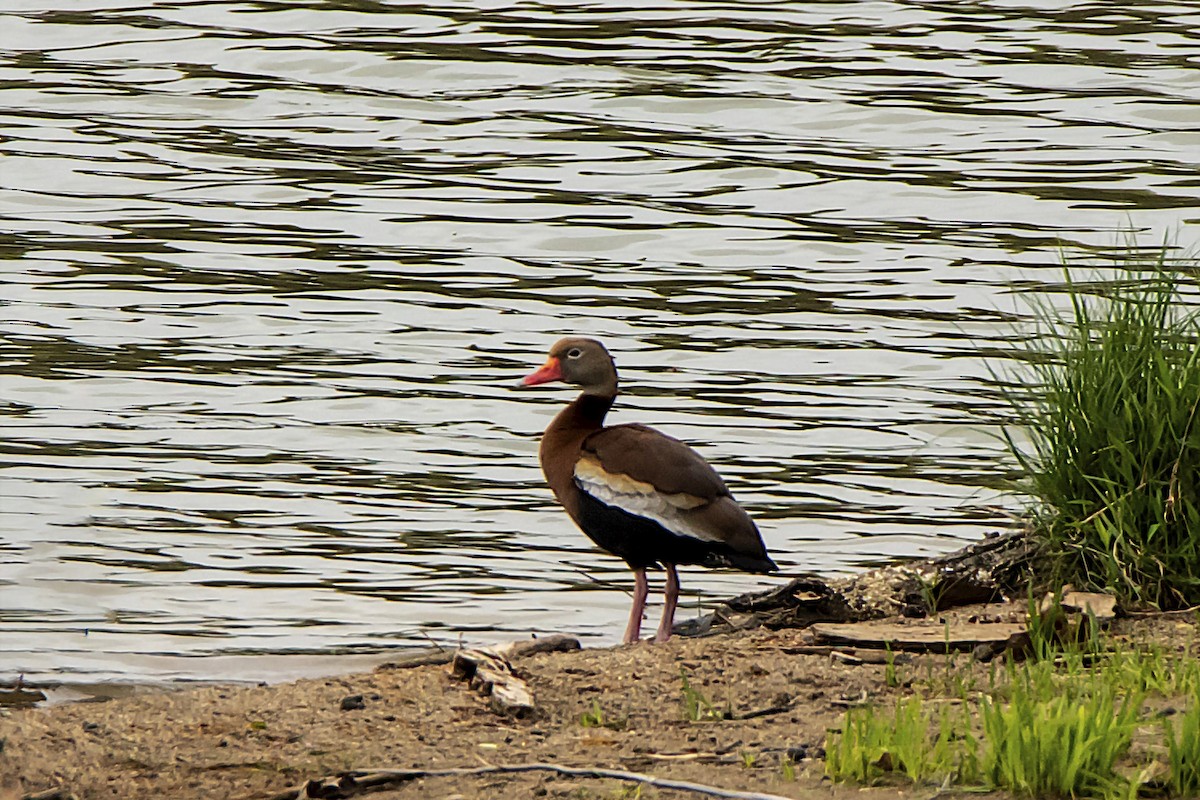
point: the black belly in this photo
(643, 542)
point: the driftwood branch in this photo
(986, 571)
(921, 638)
(554, 643)
(436, 656)
(492, 675)
(351, 783)
(49, 794)
(489, 671)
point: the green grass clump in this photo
(1048, 740)
(1070, 721)
(871, 745)
(696, 706)
(1108, 403)
(598, 718)
(1183, 750)
(1152, 671)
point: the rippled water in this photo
(272, 269)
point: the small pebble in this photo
(805, 751)
(353, 702)
(984, 652)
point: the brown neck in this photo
(560, 443)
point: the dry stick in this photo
(432, 641)
(50, 794)
(765, 712)
(1179, 612)
(1173, 483)
(555, 642)
(602, 582)
(352, 783)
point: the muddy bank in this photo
(768, 698)
(744, 704)
(252, 741)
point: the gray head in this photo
(580, 362)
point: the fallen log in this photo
(929, 637)
(492, 675)
(436, 656)
(51, 794)
(489, 671)
(521, 648)
(990, 570)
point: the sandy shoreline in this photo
(255, 741)
(244, 741)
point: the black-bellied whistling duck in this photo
(638, 493)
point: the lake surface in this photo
(271, 271)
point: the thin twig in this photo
(426, 659)
(50, 794)
(432, 641)
(1104, 508)
(765, 712)
(808, 649)
(602, 582)
(1173, 483)
(351, 783)
(696, 756)
(1179, 612)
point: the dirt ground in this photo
(235, 742)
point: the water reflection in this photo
(272, 268)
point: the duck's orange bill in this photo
(550, 371)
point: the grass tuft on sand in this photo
(1061, 724)
(1107, 431)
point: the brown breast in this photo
(687, 511)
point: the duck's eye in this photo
(574, 352)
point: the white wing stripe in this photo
(651, 506)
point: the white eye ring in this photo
(574, 352)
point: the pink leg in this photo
(671, 599)
(640, 588)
